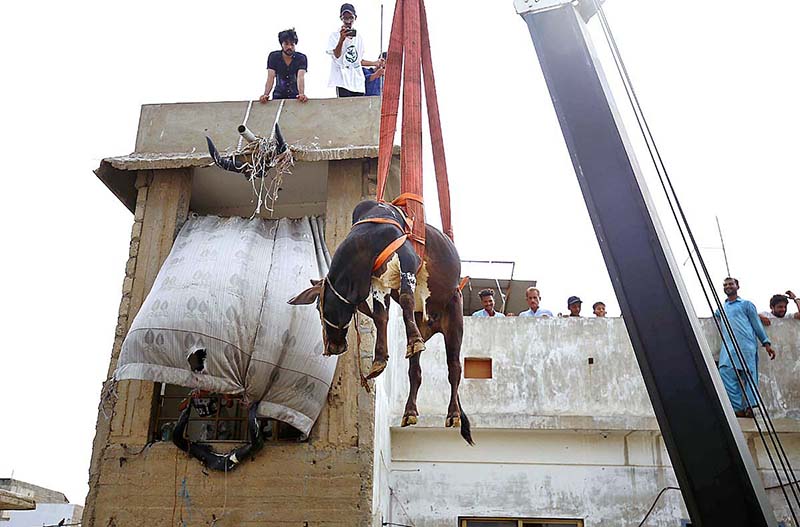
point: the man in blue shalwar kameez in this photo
(748, 331)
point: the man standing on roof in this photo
(346, 49)
(533, 297)
(289, 68)
(487, 299)
(748, 331)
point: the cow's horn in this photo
(225, 163)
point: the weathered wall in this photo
(543, 379)
(557, 436)
(325, 481)
(318, 124)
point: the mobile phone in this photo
(351, 33)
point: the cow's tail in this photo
(466, 431)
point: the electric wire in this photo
(671, 195)
(655, 501)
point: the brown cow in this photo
(428, 294)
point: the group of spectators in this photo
(743, 320)
(534, 297)
(351, 74)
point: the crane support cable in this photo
(705, 278)
(408, 63)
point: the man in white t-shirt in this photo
(778, 308)
(346, 48)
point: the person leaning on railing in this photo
(779, 307)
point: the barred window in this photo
(213, 418)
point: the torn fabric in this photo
(217, 319)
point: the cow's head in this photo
(335, 314)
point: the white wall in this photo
(556, 437)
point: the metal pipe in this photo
(246, 133)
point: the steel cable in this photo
(682, 224)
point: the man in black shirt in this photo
(288, 67)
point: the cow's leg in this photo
(409, 262)
(380, 315)
(453, 330)
(415, 380)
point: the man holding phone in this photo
(346, 49)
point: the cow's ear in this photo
(315, 282)
(309, 296)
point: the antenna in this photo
(381, 48)
(722, 241)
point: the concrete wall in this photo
(557, 437)
(319, 124)
(325, 481)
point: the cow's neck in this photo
(351, 271)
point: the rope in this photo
(704, 279)
(263, 156)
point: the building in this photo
(564, 428)
(25, 505)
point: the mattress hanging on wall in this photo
(223, 289)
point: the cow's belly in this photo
(384, 284)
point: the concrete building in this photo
(25, 505)
(564, 429)
(326, 480)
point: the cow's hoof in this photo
(414, 348)
(408, 420)
(377, 368)
(452, 422)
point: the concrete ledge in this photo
(119, 173)
(11, 501)
(575, 423)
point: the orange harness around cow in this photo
(390, 249)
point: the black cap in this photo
(574, 300)
(347, 7)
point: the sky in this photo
(716, 82)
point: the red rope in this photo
(435, 125)
(391, 98)
(409, 57)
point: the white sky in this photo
(717, 83)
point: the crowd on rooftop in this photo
(350, 74)
(534, 297)
(743, 320)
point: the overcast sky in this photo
(717, 80)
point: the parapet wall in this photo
(572, 374)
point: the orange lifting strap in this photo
(409, 57)
(392, 247)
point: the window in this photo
(477, 368)
(215, 418)
(517, 522)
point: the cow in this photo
(375, 263)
